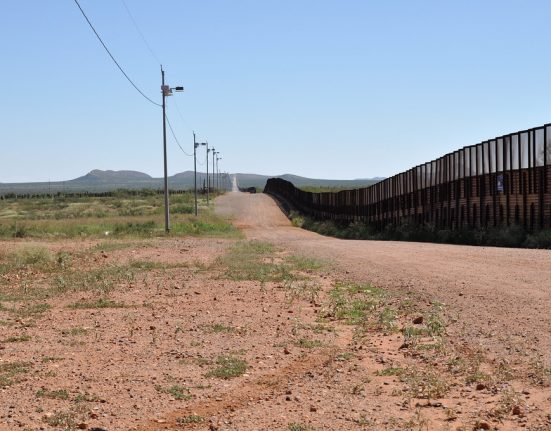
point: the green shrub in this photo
(182, 209)
(541, 239)
(140, 229)
(31, 256)
(409, 230)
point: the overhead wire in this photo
(148, 46)
(181, 116)
(175, 138)
(112, 57)
(152, 52)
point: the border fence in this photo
(502, 181)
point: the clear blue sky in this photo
(327, 89)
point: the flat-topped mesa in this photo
(109, 175)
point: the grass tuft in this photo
(10, 372)
(391, 371)
(99, 303)
(218, 328)
(352, 302)
(33, 310)
(228, 367)
(306, 343)
(60, 394)
(67, 420)
(74, 332)
(86, 398)
(178, 392)
(17, 339)
(424, 384)
(189, 419)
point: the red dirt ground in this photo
(113, 368)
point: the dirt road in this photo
(495, 291)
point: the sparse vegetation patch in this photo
(178, 392)
(60, 394)
(11, 372)
(190, 419)
(352, 302)
(228, 367)
(99, 303)
(117, 215)
(17, 338)
(260, 261)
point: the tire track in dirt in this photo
(265, 386)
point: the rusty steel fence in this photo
(501, 181)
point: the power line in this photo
(181, 116)
(111, 55)
(140, 32)
(175, 138)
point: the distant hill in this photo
(370, 179)
(112, 176)
(98, 181)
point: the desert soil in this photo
(148, 366)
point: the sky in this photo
(324, 89)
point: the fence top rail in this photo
(428, 174)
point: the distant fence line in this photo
(501, 181)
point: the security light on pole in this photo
(195, 146)
(218, 171)
(214, 153)
(166, 91)
(207, 162)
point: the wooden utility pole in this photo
(165, 90)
